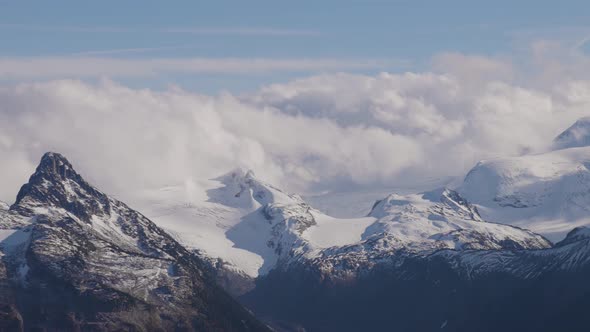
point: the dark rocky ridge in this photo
(87, 262)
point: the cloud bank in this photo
(331, 131)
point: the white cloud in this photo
(315, 133)
(126, 139)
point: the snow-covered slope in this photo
(225, 222)
(548, 193)
(572, 254)
(577, 135)
(418, 225)
(443, 219)
(254, 227)
(245, 222)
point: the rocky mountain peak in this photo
(55, 184)
(55, 163)
(85, 261)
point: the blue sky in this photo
(398, 35)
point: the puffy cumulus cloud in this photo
(329, 131)
(126, 139)
(404, 104)
(453, 120)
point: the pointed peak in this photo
(54, 156)
(55, 183)
(55, 163)
(242, 188)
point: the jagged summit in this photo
(56, 184)
(54, 161)
(241, 188)
(55, 166)
(577, 135)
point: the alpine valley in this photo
(503, 250)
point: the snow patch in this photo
(331, 232)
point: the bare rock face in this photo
(80, 260)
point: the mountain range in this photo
(505, 249)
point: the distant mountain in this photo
(548, 193)
(253, 227)
(75, 259)
(429, 261)
(577, 135)
(379, 272)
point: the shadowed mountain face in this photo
(76, 259)
(449, 290)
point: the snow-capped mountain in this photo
(415, 226)
(544, 192)
(548, 193)
(253, 227)
(232, 220)
(74, 258)
(429, 262)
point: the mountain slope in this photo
(407, 226)
(229, 221)
(78, 259)
(577, 135)
(547, 193)
(448, 290)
